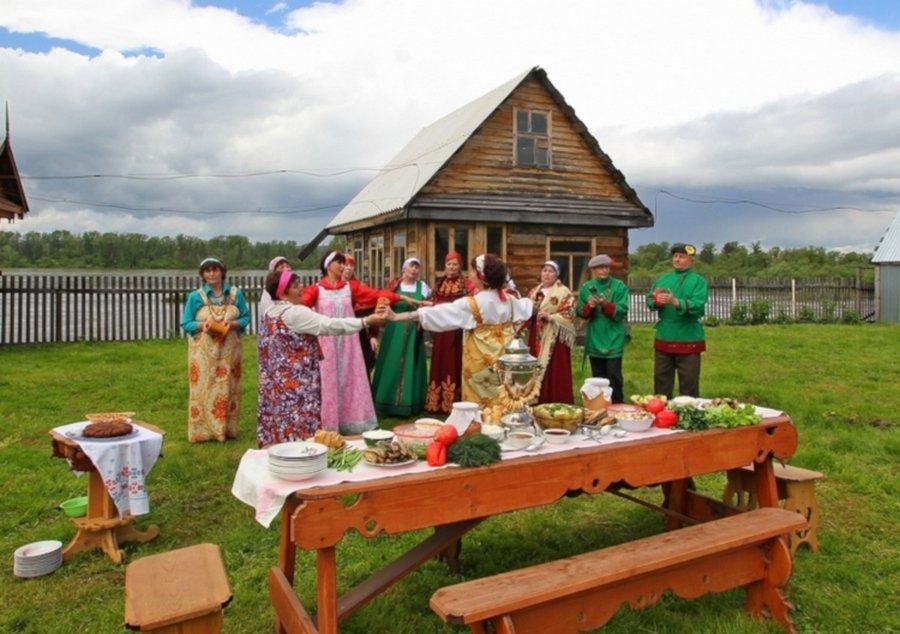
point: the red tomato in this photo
(436, 453)
(666, 418)
(655, 406)
(446, 435)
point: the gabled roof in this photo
(431, 149)
(12, 196)
(888, 250)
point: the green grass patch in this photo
(839, 383)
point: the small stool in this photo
(178, 592)
(796, 486)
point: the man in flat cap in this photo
(603, 302)
(679, 297)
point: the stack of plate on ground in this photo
(297, 460)
(38, 559)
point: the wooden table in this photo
(455, 500)
(101, 527)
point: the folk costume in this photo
(488, 320)
(290, 390)
(444, 384)
(604, 340)
(551, 340)
(347, 405)
(399, 381)
(214, 362)
(679, 334)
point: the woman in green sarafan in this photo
(401, 378)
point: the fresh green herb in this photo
(474, 451)
(727, 416)
(690, 417)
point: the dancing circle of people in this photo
(336, 354)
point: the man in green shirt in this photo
(679, 297)
(603, 302)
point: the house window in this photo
(398, 254)
(495, 240)
(573, 257)
(356, 250)
(375, 273)
(447, 239)
(532, 138)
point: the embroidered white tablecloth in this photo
(122, 462)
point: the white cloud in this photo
(774, 97)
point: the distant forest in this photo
(94, 250)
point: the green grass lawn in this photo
(841, 385)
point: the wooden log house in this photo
(514, 172)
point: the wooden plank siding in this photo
(487, 161)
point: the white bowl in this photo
(519, 439)
(634, 424)
(297, 450)
(493, 431)
(556, 436)
(374, 436)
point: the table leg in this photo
(766, 484)
(102, 528)
(326, 576)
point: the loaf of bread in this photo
(108, 429)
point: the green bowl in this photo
(76, 507)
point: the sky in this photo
(755, 121)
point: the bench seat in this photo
(585, 591)
(797, 489)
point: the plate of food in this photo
(392, 465)
(105, 431)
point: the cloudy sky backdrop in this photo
(769, 121)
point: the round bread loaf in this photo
(108, 429)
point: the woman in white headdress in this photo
(552, 333)
(400, 377)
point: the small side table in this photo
(102, 527)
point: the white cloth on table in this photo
(255, 485)
(122, 463)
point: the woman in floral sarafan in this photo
(214, 316)
(552, 334)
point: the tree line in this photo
(737, 260)
(95, 250)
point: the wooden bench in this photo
(585, 591)
(179, 592)
(796, 487)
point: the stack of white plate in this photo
(297, 460)
(38, 559)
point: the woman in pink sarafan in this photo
(347, 405)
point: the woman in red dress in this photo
(552, 334)
(446, 352)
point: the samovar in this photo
(520, 384)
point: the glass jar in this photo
(463, 414)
